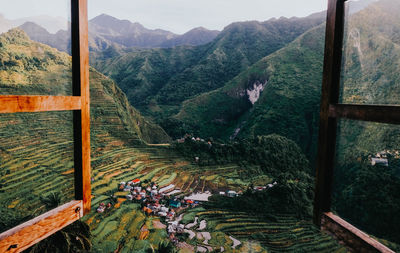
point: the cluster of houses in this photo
(189, 137)
(261, 188)
(155, 201)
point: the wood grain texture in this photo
(80, 75)
(329, 95)
(13, 104)
(352, 237)
(27, 234)
(376, 113)
(85, 111)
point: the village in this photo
(170, 204)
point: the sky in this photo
(177, 16)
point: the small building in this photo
(136, 181)
(167, 188)
(232, 194)
(222, 193)
(380, 161)
(174, 204)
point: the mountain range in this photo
(51, 24)
(29, 67)
(157, 81)
(104, 32)
(254, 78)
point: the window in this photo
(344, 109)
(74, 108)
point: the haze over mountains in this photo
(105, 32)
(51, 24)
(249, 80)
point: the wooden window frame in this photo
(330, 112)
(25, 235)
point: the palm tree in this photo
(73, 238)
(52, 200)
(163, 247)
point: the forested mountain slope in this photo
(157, 81)
(28, 67)
(37, 148)
(36, 153)
(285, 89)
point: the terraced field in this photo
(146, 163)
(284, 234)
(39, 161)
(36, 157)
(36, 163)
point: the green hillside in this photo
(37, 166)
(37, 148)
(366, 194)
(288, 104)
(157, 81)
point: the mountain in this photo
(5, 24)
(157, 81)
(106, 33)
(28, 67)
(279, 94)
(125, 33)
(196, 36)
(51, 24)
(36, 153)
(60, 40)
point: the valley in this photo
(119, 137)
(232, 115)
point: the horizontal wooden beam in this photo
(14, 103)
(375, 113)
(353, 238)
(27, 234)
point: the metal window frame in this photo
(25, 235)
(330, 112)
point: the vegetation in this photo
(73, 238)
(204, 88)
(274, 154)
(279, 233)
(157, 81)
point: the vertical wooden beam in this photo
(330, 95)
(80, 70)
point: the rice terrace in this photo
(119, 138)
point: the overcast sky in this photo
(177, 16)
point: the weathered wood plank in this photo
(376, 113)
(27, 234)
(330, 95)
(80, 66)
(13, 104)
(352, 237)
